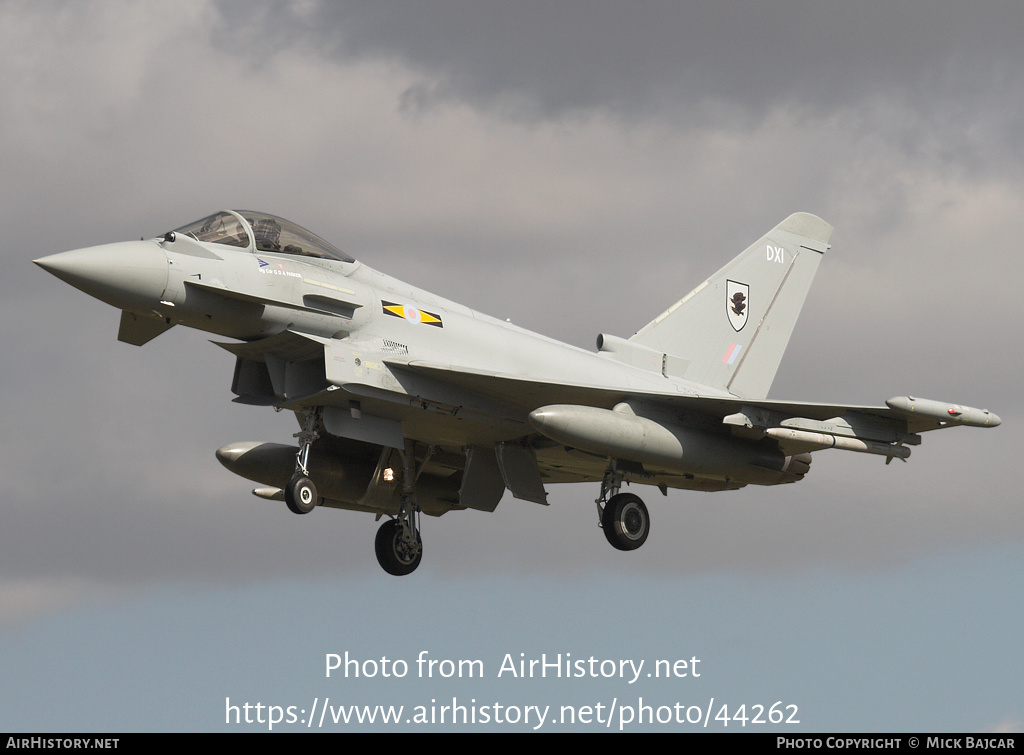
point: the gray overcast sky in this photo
(572, 166)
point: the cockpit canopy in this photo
(262, 232)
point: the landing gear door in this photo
(519, 468)
(482, 483)
(383, 491)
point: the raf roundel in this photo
(412, 314)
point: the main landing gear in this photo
(622, 516)
(398, 545)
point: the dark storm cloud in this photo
(643, 56)
(954, 69)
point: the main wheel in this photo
(626, 522)
(300, 494)
(396, 556)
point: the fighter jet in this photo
(411, 404)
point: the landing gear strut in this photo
(623, 516)
(398, 544)
(300, 492)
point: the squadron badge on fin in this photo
(737, 304)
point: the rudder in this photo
(733, 329)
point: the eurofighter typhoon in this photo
(411, 404)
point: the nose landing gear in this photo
(300, 493)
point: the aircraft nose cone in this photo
(128, 275)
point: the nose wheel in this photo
(300, 494)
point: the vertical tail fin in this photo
(732, 330)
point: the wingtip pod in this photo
(918, 408)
